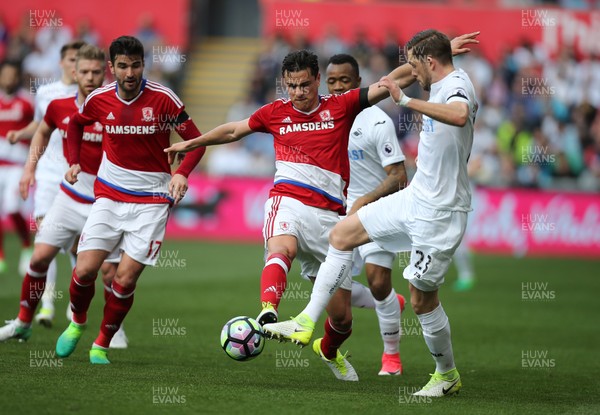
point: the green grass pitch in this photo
(525, 340)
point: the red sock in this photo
(332, 340)
(81, 293)
(116, 308)
(107, 292)
(22, 229)
(274, 278)
(31, 293)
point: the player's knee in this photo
(341, 323)
(125, 280)
(380, 288)
(85, 272)
(338, 240)
(39, 262)
(288, 251)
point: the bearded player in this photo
(134, 188)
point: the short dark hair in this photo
(431, 43)
(126, 45)
(342, 58)
(299, 60)
(76, 45)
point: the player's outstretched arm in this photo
(14, 136)
(223, 134)
(36, 150)
(403, 76)
(452, 113)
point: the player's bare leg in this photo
(436, 331)
(344, 237)
(281, 251)
(117, 306)
(81, 292)
(32, 288)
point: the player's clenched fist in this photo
(71, 174)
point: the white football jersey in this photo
(373, 145)
(53, 160)
(441, 181)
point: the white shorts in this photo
(10, 197)
(371, 253)
(137, 229)
(46, 189)
(396, 222)
(310, 226)
(63, 222)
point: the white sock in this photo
(388, 314)
(462, 259)
(332, 273)
(49, 292)
(436, 331)
(361, 296)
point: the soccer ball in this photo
(242, 338)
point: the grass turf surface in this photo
(515, 355)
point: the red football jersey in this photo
(16, 111)
(134, 167)
(58, 115)
(311, 149)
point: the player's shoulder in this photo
(61, 102)
(339, 97)
(166, 92)
(278, 105)
(103, 91)
(458, 83)
(373, 116)
(457, 77)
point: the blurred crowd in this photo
(38, 49)
(538, 125)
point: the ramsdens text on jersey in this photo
(306, 126)
(130, 129)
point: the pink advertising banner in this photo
(227, 209)
(514, 222)
(525, 222)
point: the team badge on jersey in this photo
(148, 114)
(284, 226)
(325, 115)
(357, 133)
(97, 126)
